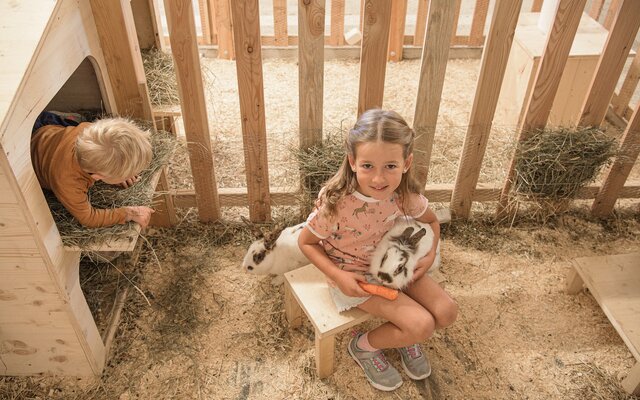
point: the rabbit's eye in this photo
(259, 256)
(250, 268)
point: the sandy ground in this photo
(210, 331)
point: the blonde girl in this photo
(357, 206)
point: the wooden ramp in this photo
(614, 281)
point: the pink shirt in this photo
(351, 236)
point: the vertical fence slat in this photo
(476, 38)
(536, 6)
(396, 30)
(182, 34)
(619, 171)
(311, 66)
(421, 22)
(203, 7)
(337, 23)
(596, 9)
(546, 81)
(435, 55)
(611, 13)
(373, 54)
(246, 35)
(224, 30)
(280, 30)
(611, 62)
(621, 102)
(213, 31)
(455, 39)
(494, 63)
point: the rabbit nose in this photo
(385, 277)
(249, 268)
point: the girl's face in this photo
(379, 167)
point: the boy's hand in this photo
(347, 282)
(139, 214)
(129, 182)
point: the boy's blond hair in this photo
(114, 147)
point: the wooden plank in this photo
(614, 281)
(311, 14)
(632, 382)
(224, 29)
(536, 6)
(435, 55)
(611, 62)
(184, 49)
(203, 8)
(246, 32)
(619, 171)
(144, 22)
(455, 41)
(280, 22)
(212, 22)
(325, 352)
(546, 81)
(614, 6)
(621, 101)
(492, 70)
(421, 22)
(165, 213)
(596, 9)
(373, 55)
(476, 38)
(396, 29)
(337, 23)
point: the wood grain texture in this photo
(476, 37)
(621, 101)
(396, 29)
(246, 31)
(280, 22)
(421, 22)
(337, 23)
(224, 30)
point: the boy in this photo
(68, 160)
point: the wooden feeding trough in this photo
(54, 57)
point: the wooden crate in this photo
(526, 52)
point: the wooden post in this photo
(435, 55)
(476, 38)
(456, 16)
(618, 173)
(621, 102)
(311, 70)
(224, 29)
(611, 62)
(373, 55)
(596, 9)
(611, 13)
(492, 69)
(337, 23)
(203, 8)
(145, 22)
(182, 34)
(421, 22)
(396, 30)
(546, 82)
(246, 34)
(536, 6)
(280, 22)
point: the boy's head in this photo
(114, 149)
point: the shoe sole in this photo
(412, 376)
(375, 385)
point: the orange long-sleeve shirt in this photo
(53, 155)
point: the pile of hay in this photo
(102, 195)
(161, 78)
(553, 165)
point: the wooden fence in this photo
(382, 26)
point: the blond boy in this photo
(69, 160)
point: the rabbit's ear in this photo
(404, 237)
(272, 235)
(413, 240)
(257, 232)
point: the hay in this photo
(104, 196)
(553, 165)
(161, 78)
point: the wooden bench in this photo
(306, 290)
(614, 281)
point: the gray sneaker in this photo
(414, 362)
(377, 369)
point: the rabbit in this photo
(275, 253)
(394, 259)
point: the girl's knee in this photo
(422, 328)
(446, 314)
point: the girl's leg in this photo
(432, 296)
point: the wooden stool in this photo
(306, 289)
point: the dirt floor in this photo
(197, 327)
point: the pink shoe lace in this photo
(414, 351)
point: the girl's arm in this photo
(346, 281)
(429, 217)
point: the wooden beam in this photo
(456, 18)
(492, 70)
(435, 55)
(224, 29)
(536, 6)
(337, 23)
(246, 34)
(619, 171)
(611, 62)
(476, 37)
(547, 79)
(396, 29)
(203, 11)
(621, 101)
(280, 22)
(421, 22)
(186, 58)
(611, 13)
(311, 14)
(373, 56)
(596, 9)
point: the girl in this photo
(354, 210)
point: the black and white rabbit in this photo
(394, 259)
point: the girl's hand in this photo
(129, 182)
(347, 282)
(423, 265)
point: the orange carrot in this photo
(379, 290)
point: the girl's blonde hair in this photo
(372, 126)
(114, 147)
